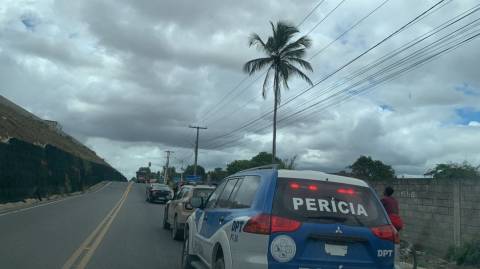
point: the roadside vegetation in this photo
(455, 171)
(467, 254)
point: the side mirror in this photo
(197, 202)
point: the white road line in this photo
(51, 203)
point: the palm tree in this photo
(283, 60)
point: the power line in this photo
(310, 13)
(389, 68)
(224, 97)
(349, 29)
(439, 28)
(326, 17)
(398, 51)
(402, 28)
(316, 54)
(414, 66)
(406, 69)
(217, 107)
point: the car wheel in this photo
(166, 225)
(176, 235)
(186, 257)
(219, 263)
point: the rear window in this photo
(160, 187)
(327, 202)
(203, 193)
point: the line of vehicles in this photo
(269, 218)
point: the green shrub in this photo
(467, 254)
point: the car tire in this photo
(166, 225)
(219, 263)
(187, 259)
(176, 233)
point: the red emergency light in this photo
(346, 191)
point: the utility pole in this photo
(181, 172)
(196, 147)
(165, 176)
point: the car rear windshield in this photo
(327, 202)
(161, 187)
(203, 193)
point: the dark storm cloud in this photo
(60, 52)
(128, 77)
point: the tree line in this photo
(365, 167)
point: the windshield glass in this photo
(160, 187)
(327, 202)
(203, 193)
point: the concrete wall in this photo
(437, 213)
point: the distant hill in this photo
(38, 159)
(19, 123)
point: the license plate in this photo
(336, 250)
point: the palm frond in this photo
(295, 71)
(256, 40)
(274, 30)
(254, 65)
(285, 58)
(302, 42)
(298, 53)
(301, 62)
(271, 45)
(284, 32)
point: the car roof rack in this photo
(269, 166)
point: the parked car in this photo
(268, 218)
(158, 192)
(179, 208)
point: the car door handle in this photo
(221, 219)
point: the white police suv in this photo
(268, 218)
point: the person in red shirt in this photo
(391, 206)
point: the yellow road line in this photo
(87, 247)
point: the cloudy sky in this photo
(128, 77)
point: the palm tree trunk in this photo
(274, 143)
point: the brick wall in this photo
(437, 213)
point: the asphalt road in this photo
(111, 228)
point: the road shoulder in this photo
(8, 208)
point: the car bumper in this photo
(160, 198)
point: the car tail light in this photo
(280, 224)
(295, 186)
(386, 232)
(259, 224)
(267, 224)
